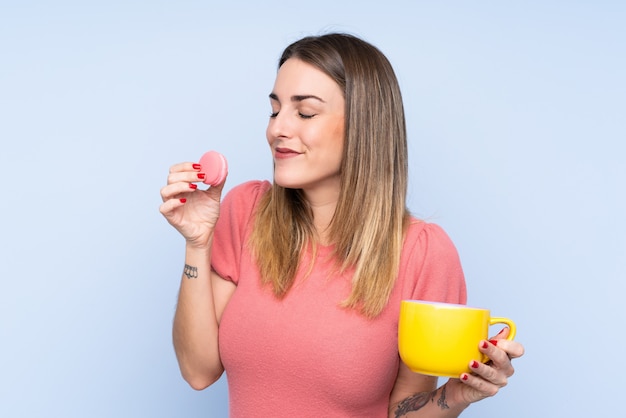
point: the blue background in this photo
(516, 115)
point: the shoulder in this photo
(428, 236)
(239, 204)
(249, 191)
(234, 226)
(245, 196)
(430, 266)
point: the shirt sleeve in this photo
(233, 228)
(431, 266)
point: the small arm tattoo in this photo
(441, 402)
(191, 272)
(419, 400)
(413, 403)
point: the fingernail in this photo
(197, 166)
(201, 176)
(494, 342)
(474, 364)
(183, 200)
(485, 344)
(193, 186)
(464, 377)
(501, 331)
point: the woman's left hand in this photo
(486, 379)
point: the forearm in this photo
(435, 404)
(195, 331)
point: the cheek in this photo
(338, 137)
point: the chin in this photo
(287, 184)
(289, 181)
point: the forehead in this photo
(296, 77)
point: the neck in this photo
(323, 206)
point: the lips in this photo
(285, 153)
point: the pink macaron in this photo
(214, 166)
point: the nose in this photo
(279, 127)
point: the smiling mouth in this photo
(285, 153)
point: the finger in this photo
(220, 186)
(479, 384)
(504, 332)
(491, 350)
(168, 207)
(499, 362)
(513, 349)
(171, 191)
(186, 166)
(185, 177)
(489, 372)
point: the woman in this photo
(294, 287)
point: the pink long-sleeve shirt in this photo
(303, 355)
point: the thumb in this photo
(504, 332)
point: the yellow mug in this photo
(441, 339)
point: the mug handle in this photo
(508, 322)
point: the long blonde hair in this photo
(368, 225)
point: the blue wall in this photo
(517, 131)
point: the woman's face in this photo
(306, 128)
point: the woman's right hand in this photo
(192, 211)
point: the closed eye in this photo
(301, 115)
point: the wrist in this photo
(202, 247)
(454, 394)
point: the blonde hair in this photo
(368, 225)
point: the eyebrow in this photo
(298, 98)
